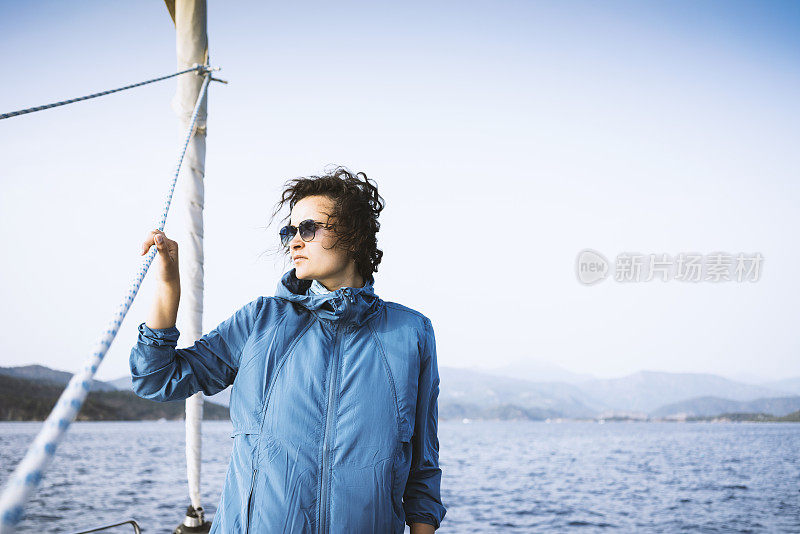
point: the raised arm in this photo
(162, 372)
(422, 500)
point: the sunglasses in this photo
(308, 230)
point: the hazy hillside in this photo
(709, 406)
(789, 385)
(793, 417)
(31, 400)
(535, 371)
(464, 387)
(124, 383)
(45, 374)
(646, 391)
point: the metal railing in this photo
(98, 529)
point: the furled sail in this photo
(191, 43)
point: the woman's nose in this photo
(296, 240)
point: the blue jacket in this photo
(333, 404)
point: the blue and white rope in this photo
(30, 471)
(95, 95)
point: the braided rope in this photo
(95, 95)
(30, 471)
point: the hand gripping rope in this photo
(30, 470)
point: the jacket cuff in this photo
(159, 337)
(423, 511)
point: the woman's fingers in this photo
(167, 262)
(152, 239)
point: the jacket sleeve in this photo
(162, 372)
(422, 500)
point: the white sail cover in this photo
(189, 17)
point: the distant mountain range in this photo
(535, 371)
(712, 406)
(464, 391)
(648, 391)
(641, 395)
(29, 394)
(505, 393)
(41, 373)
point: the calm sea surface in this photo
(497, 476)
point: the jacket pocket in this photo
(249, 514)
(400, 470)
(242, 454)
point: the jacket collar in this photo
(352, 305)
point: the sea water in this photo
(498, 476)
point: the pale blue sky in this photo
(504, 136)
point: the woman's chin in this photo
(300, 272)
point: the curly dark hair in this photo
(356, 207)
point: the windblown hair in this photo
(356, 207)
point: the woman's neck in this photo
(349, 280)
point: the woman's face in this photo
(319, 260)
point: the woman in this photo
(334, 397)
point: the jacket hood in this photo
(352, 305)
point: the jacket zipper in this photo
(250, 502)
(333, 387)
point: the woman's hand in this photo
(422, 528)
(167, 271)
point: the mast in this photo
(191, 42)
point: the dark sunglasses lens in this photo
(307, 230)
(287, 233)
